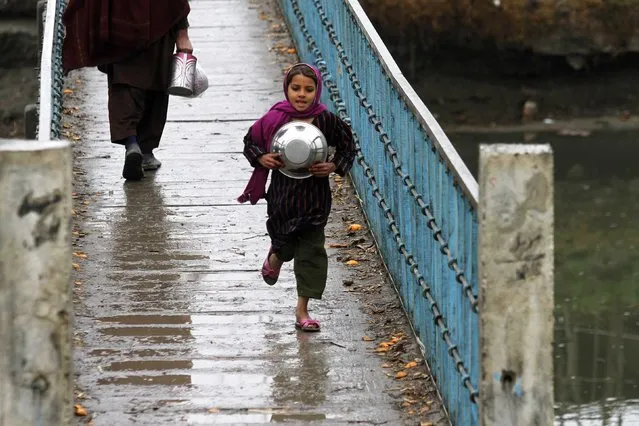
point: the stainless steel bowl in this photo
(299, 144)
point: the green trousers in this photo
(310, 261)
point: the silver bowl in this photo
(300, 145)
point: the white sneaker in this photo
(149, 162)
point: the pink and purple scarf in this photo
(263, 130)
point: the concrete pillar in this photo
(35, 283)
(516, 284)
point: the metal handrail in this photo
(51, 80)
(467, 182)
(46, 73)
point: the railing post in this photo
(516, 284)
(35, 290)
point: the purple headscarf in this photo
(264, 129)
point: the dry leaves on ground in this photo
(80, 411)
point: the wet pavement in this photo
(173, 322)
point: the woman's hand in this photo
(322, 169)
(183, 42)
(271, 161)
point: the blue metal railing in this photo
(51, 73)
(418, 196)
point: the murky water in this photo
(596, 271)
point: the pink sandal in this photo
(308, 324)
(269, 274)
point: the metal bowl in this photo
(299, 144)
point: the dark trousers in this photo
(310, 261)
(137, 112)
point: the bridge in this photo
(172, 324)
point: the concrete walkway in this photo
(173, 322)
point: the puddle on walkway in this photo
(596, 271)
(255, 417)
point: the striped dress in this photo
(304, 204)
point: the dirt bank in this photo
(18, 87)
(490, 90)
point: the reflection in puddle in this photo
(146, 331)
(252, 384)
(303, 379)
(254, 417)
(165, 379)
(149, 365)
(230, 364)
(148, 319)
(220, 318)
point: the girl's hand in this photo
(322, 169)
(271, 161)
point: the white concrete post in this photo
(516, 285)
(35, 289)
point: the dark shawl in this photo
(100, 32)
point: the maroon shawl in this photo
(263, 130)
(100, 32)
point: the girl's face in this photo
(301, 92)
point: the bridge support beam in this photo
(516, 284)
(35, 291)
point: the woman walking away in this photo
(297, 209)
(132, 42)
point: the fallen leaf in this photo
(411, 364)
(80, 254)
(386, 365)
(291, 50)
(80, 410)
(367, 339)
(354, 227)
(426, 424)
(213, 410)
(401, 374)
(352, 263)
(338, 245)
(76, 266)
(67, 91)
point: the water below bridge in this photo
(596, 269)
